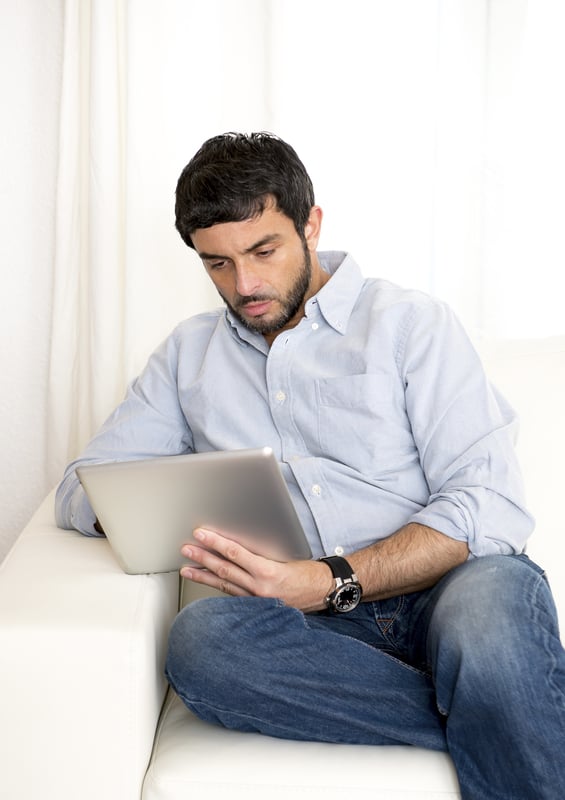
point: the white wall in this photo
(30, 50)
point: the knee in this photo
(493, 596)
(489, 614)
(212, 643)
(194, 640)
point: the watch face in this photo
(347, 597)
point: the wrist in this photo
(321, 585)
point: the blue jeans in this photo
(473, 666)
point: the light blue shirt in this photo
(376, 406)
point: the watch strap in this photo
(339, 566)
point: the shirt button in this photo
(315, 326)
(280, 397)
(317, 490)
(339, 551)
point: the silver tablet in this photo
(149, 508)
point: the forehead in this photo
(244, 235)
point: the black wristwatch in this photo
(347, 593)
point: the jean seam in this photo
(542, 582)
(384, 631)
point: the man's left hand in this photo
(236, 570)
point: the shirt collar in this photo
(335, 300)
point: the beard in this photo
(290, 303)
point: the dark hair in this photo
(232, 177)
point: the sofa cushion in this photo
(192, 758)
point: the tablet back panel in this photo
(149, 508)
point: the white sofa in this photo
(84, 708)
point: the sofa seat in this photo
(190, 755)
(192, 758)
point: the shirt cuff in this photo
(82, 515)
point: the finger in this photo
(218, 571)
(231, 550)
(267, 548)
(206, 578)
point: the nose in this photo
(247, 281)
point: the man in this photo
(424, 623)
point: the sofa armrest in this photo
(81, 668)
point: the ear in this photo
(313, 228)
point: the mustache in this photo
(240, 301)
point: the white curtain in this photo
(432, 129)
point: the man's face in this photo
(261, 267)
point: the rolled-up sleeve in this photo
(465, 433)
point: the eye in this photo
(216, 265)
(265, 253)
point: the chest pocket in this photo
(356, 415)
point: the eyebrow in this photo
(269, 239)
